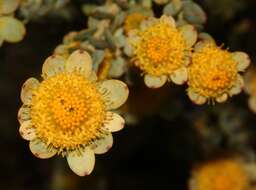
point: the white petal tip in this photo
(116, 123)
(154, 82)
(83, 164)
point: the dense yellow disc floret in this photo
(161, 49)
(133, 21)
(67, 111)
(213, 71)
(220, 175)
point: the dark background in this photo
(156, 153)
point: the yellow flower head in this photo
(133, 21)
(67, 113)
(220, 175)
(213, 74)
(162, 50)
(250, 88)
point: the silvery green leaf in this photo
(173, 8)
(147, 3)
(118, 21)
(102, 15)
(205, 36)
(85, 45)
(97, 43)
(140, 9)
(88, 9)
(123, 4)
(118, 67)
(180, 20)
(193, 13)
(97, 58)
(84, 34)
(120, 38)
(92, 22)
(110, 40)
(128, 50)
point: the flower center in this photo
(212, 72)
(216, 79)
(157, 49)
(161, 49)
(222, 183)
(68, 111)
(133, 21)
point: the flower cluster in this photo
(73, 110)
(166, 52)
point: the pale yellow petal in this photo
(27, 131)
(196, 98)
(93, 77)
(115, 93)
(24, 114)
(27, 90)
(168, 19)
(238, 86)
(102, 145)
(154, 82)
(80, 61)
(11, 29)
(189, 33)
(8, 6)
(252, 103)
(83, 163)
(147, 23)
(180, 76)
(133, 37)
(53, 65)
(206, 37)
(115, 122)
(199, 46)
(40, 149)
(222, 98)
(187, 58)
(242, 59)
